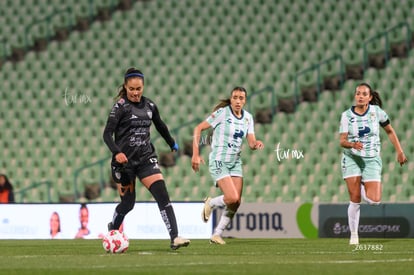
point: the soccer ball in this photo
(115, 242)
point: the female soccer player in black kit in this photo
(127, 134)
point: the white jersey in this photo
(365, 129)
(229, 132)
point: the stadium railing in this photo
(47, 23)
(22, 194)
(319, 80)
(387, 45)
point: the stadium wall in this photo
(253, 220)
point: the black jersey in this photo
(127, 129)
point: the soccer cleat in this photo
(205, 214)
(216, 239)
(110, 226)
(354, 239)
(179, 242)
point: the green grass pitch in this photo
(238, 256)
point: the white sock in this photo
(224, 221)
(363, 193)
(353, 217)
(217, 202)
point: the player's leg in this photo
(373, 192)
(351, 173)
(126, 189)
(372, 189)
(218, 171)
(354, 189)
(232, 189)
(156, 185)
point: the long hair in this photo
(376, 99)
(7, 184)
(130, 73)
(226, 102)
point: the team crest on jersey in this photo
(372, 116)
(149, 113)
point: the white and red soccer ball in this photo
(115, 241)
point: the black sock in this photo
(117, 220)
(160, 194)
(127, 204)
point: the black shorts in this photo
(125, 174)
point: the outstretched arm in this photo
(196, 159)
(396, 142)
(163, 129)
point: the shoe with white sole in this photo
(354, 239)
(205, 214)
(216, 239)
(179, 242)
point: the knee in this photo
(130, 205)
(374, 200)
(126, 206)
(354, 195)
(356, 198)
(233, 202)
(377, 198)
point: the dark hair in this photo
(130, 73)
(7, 184)
(376, 99)
(226, 102)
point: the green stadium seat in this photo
(201, 67)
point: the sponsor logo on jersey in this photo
(362, 131)
(238, 134)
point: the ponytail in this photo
(121, 92)
(376, 99)
(223, 103)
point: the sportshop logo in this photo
(389, 227)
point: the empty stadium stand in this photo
(55, 101)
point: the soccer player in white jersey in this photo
(361, 161)
(231, 124)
